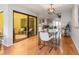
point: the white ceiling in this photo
(41, 9)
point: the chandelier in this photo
(51, 9)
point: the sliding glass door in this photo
(20, 26)
(24, 26)
(32, 26)
(1, 23)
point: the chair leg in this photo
(42, 46)
(50, 50)
(51, 47)
(57, 44)
(0, 46)
(39, 42)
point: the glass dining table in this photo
(56, 37)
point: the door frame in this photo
(27, 23)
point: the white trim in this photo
(7, 45)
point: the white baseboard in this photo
(7, 45)
(75, 44)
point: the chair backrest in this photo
(58, 35)
(50, 30)
(44, 36)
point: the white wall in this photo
(2, 7)
(75, 26)
(75, 37)
(7, 27)
(8, 22)
(65, 18)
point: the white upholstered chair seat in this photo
(44, 36)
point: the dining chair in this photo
(58, 37)
(44, 37)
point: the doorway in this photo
(24, 26)
(1, 23)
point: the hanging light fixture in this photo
(51, 9)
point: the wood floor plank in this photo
(30, 47)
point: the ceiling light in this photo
(51, 9)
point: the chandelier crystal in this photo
(51, 9)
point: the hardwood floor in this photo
(30, 47)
